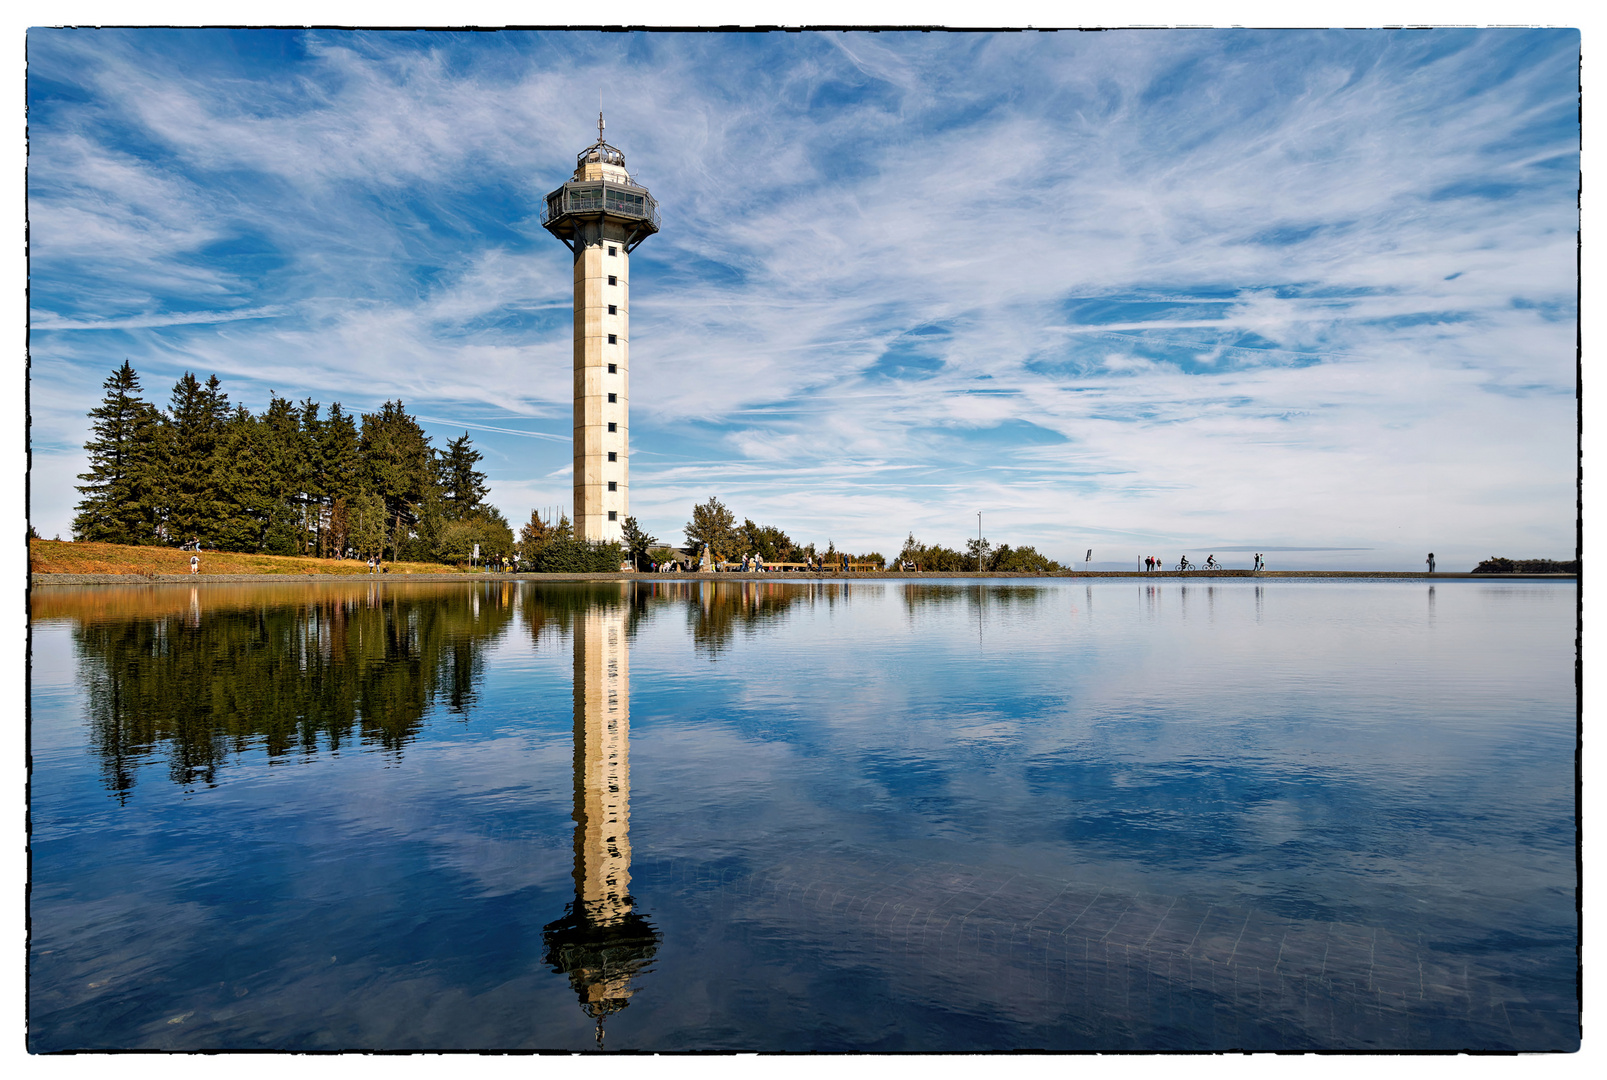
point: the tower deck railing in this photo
(600, 197)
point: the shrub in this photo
(565, 555)
(1496, 565)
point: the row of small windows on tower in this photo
(613, 369)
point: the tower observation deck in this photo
(601, 214)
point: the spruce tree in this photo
(119, 504)
(339, 476)
(366, 525)
(190, 463)
(242, 499)
(315, 505)
(399, 466)
(463, 487)
(285, 468)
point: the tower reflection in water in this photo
(602, 943)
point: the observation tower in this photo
(601, 214)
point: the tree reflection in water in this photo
(199, 673)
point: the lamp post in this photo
(979, 541)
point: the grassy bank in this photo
(61, 557)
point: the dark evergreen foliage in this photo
(193, 470)
(120, 489)
(1000, 559)
(1494, 565)
(290, 481)
(463, 489)
(399, 466)
(566, 555)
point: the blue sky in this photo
(1137, 291)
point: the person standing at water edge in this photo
(195, 564)
(1430, 561)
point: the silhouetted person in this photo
(1430, 562)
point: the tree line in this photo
(1497, 565)
(294, 480)
(978, 554)
(714, 525)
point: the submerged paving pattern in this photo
(1079, 967)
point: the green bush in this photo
(1495, 565)
(565, 555)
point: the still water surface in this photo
(756, 816)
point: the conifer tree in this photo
(339, 477)
(241, 495)
(192, 434)
(533, 536)
(366, 525)
(284, 468)
(463, 487)
(400, 466)
(315, 504)
(119, 504)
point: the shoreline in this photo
(36, 580)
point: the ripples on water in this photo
(774, 816)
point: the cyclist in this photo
(1210, 562)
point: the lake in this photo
(890, 816)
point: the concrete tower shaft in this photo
(601, 214)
